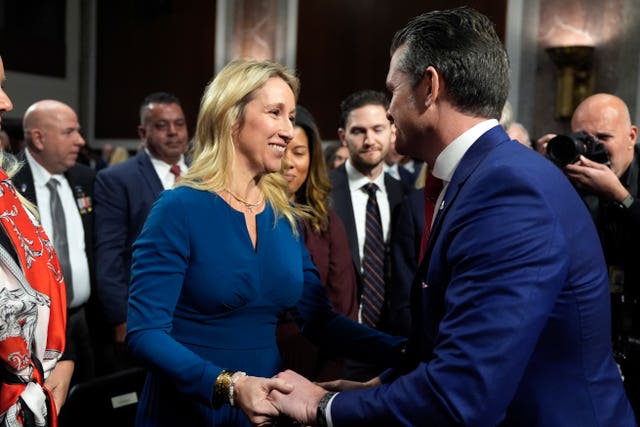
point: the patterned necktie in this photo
(59, 236)
(432, 188)
(175, 170)
(373, 262)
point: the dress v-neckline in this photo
(245, 226)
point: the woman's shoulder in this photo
(188, 198)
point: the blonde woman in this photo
(218, 260)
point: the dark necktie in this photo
(175, 170)
(373, 263)
(59, 236)
(432, 188)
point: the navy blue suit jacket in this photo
(512, 308)
(124, 194)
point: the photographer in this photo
(611, 194)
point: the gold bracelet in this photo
(221, 391)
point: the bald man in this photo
(53, 141)
(611, 193)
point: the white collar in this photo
(40, 175)
(357, 180)
(450, 157)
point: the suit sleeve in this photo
(111, 230)
(160, 261)
(335, 334)
(500, 262)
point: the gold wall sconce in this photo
(575, 77)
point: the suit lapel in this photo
(469, 163)
(395, 191)
(341, 198)
(149, 174)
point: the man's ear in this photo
(633, 135)
(142, 133)
(342, 137)
(37, 139)
(430, 86)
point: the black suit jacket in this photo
(80, 178)
(342, 205)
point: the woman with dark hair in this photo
(324, 236)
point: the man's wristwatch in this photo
(626, 202)
(321, 414)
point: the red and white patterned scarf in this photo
(32, 316)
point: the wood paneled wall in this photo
(343, 46)
(146, 46)
(150, 45)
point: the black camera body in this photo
(566, 149)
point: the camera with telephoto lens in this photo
(566, 149)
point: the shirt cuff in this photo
(328, 411)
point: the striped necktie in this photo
(373, 262)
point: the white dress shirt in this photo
(359, 198)
(75, 230)
(162, 168)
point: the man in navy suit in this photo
(124, 194)
(511, 300)
(367, 132)
(53, 141)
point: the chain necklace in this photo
(248, 205)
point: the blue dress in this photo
(202, 300)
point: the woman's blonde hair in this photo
(119, 155)
(221, 110)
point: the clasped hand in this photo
(288, 393)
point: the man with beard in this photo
(124, 194)
(366, 199)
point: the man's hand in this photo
(541, 143)
(302, 403)
(342, 385)
(597, 179)
(58, 382)
(251, 394)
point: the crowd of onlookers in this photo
(180, 281)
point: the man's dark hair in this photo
(157, 98)
(360, 99)
(463, 47)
